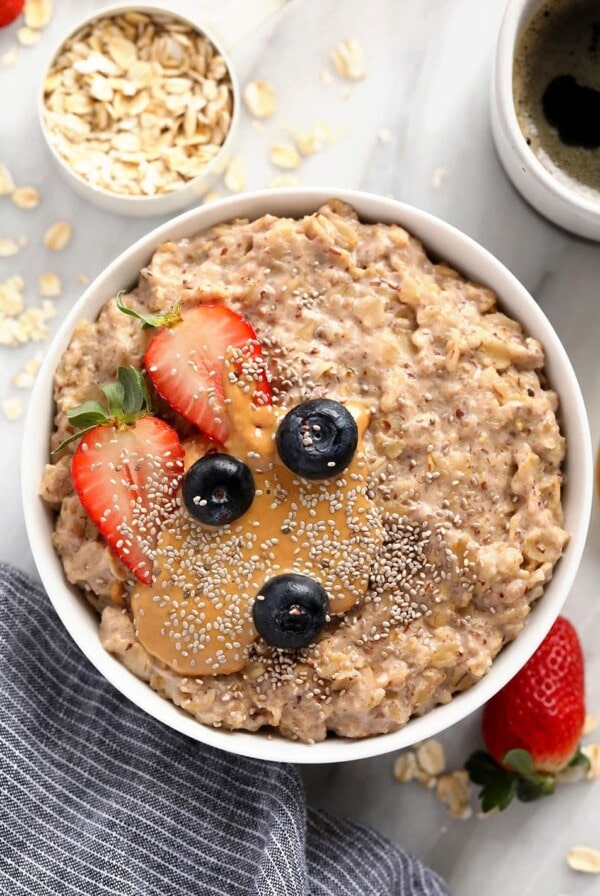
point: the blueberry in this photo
(317, 439)
(218, 489)
(290, 610)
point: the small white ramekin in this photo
(444, 242)
(537, 185)
(163, 203)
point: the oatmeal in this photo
(460, 523)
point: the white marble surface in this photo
(428, 82)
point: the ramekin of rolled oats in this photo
(466, 502)
(139, 107)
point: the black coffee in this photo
(556, 87)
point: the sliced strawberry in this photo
(126, 479)
(126, 469)
(186, 362)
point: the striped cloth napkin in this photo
(98, 798)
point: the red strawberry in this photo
(10, 10)
(186, 362)
(126, 470)
(532, 727)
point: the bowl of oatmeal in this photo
(139, 107)
(442, 541)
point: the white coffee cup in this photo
(549, 196)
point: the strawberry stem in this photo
(128, 400)
(517, 777)
(167, 319)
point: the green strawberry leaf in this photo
(73, 438)
(135, 390)
(115, 395)
(90, 413)
(481, 767)
(519, 761)
(499, 793)
(532, 787)
(579, 760)
(128, 399)
(498, 786)
(167, 319)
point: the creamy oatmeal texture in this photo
(463, 451)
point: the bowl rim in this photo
(469, 258)
(516, 16)
(191, 186)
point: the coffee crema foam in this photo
(556, 90)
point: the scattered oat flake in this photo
(259, 97)
(235, 175)
(10, 57)
(37, 13)
(584, 858)
(590, 724)
(424, 778)
(326, 77)
(405, 767)
(349, 59)
(22, 241)
(345, 93)
(592, 751)
(285, 155)
(313, 140)
(28, 326)
(385, 135)
(431, 758)
(12, 409)
(58, 235)
(439, 176)
(26, 197)
(8, 247)
(83, 279)
(454, 791)
(49, 284)
(25, 378)
(211, 196)
(11, 297)
(28, 36)
(284, 180)
(7, 184)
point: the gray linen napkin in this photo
(98, 798)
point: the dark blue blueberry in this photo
(290, 610)
(218, 489)
(317, 439)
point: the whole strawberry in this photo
(532, 727)
(10, 10)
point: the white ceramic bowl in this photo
(162, 203)
(444, 242)
(536, 184)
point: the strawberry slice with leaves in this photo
(193, 352)
(532, 727)
(126, 469)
